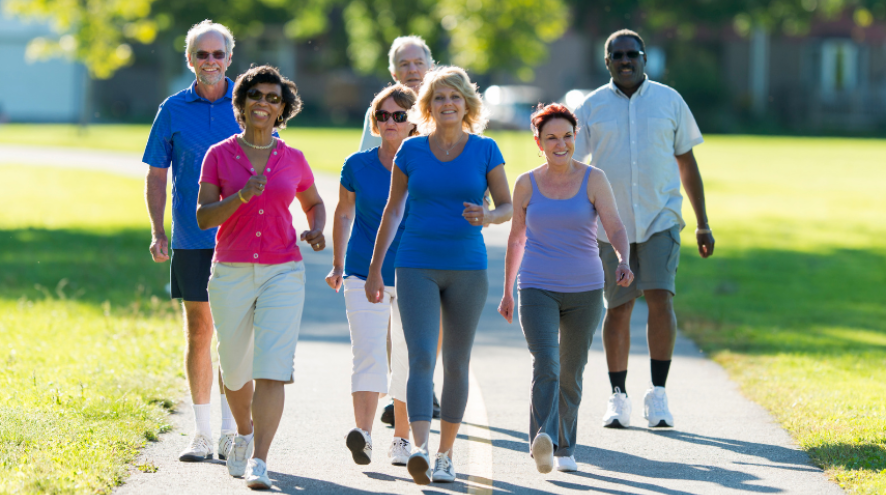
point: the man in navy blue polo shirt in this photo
(186, 125)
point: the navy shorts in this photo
(189, 274)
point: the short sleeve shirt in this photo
(261, 230)
(437, 236)
(185, 126)
(635, 140)
(364, 175)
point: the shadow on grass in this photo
(851, 456)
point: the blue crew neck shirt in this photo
(364, 175)
(437, 236)
(185, 127)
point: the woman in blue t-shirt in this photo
(441, 261)
(363, 193)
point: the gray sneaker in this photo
(200, 449)
(543, 453)
(444, 471)
(257, 475)
(419, 467)
(239, 455)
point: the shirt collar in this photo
(641, 91)
(191, 93)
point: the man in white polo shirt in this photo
(641, 133)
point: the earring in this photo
(280, 119)
(539, 153)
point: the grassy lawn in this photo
(89, 343)
(792, 303)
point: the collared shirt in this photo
(261, 230)
(368, 141)
(185, 127)
(635, 140)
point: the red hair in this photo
(544, 113)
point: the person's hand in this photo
(506, 307)
(159, 248)
(374, 287)
(705, 240)
(623, 275)
(475, 214)
(334, 278)
(254, 187)
(315, 239)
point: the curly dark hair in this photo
(266, 74)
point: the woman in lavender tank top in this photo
(552, 254)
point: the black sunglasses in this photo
(218, 55)
(272, 98)
(632, 54)
(383, 115)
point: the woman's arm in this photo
(390, 222)
(341, 226)
(497, 181)
(601, 195)
(315, 211)
(516, 245)
(211, 212)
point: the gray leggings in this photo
(421, 294)
(558, 327)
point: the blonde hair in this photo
(402, 42)
(403, 96)
(202, 28)
(476, 115)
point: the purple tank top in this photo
(561, 243)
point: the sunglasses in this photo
(383, 115)
(631, 54)
(272, 98)
(218, 55)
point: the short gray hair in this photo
(402, 41)
(204, 27)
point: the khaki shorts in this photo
(653, 262)
(257, 313)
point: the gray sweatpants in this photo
(558, 327)
(422, 294)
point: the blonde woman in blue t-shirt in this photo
(441, 262)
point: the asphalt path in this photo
(722, 442)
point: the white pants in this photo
(257, 312)
(369, 325)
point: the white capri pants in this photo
(257, 313)
(368, 324)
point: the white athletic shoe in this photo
(618, 411)
(200, 449)
(257, 475)
(543, 453)
(566, 464)
(360, 444)
(444, 471)
(239, 454)
(419, 466)
(225, 444)
(399, 451)
(655, 408)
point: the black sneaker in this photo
(387, 415)
(436, 407)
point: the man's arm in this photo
(155, 198)
(692, 183)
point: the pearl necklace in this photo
(255, 146)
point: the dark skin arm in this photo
(692, 183)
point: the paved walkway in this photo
(722, 442)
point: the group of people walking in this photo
(408, 248)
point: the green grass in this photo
(90, 345)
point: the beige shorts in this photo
(653, 262)
(257, 314)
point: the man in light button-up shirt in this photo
(641, 133)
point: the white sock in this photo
(202, 412)
(228, 423)
(249, 437)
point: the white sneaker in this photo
(618, 411)
(200, 449)
(444, 471)
(419, 466)
(543, 453)
(225, 444)
(257, 475)
(360, 444)
(655, 408)
(566, 464)
(399, 451)
(240, 452)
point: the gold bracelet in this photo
(240, 195)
